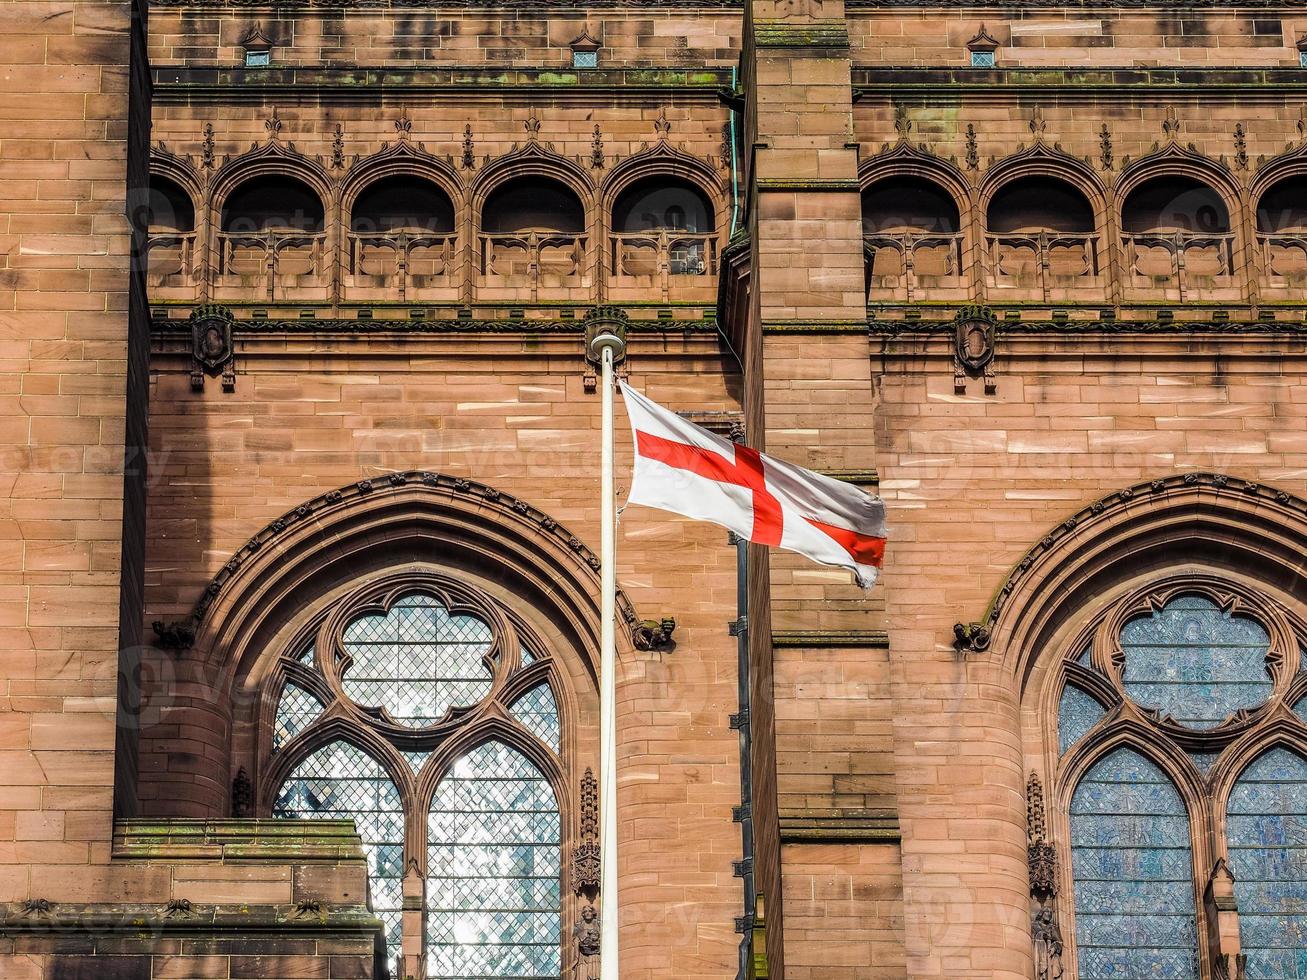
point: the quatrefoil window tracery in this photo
(1199, 661)
(362, 713)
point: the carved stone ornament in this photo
(175, 637)
(970, 638)
(587, 931)
(1047, 938)
(654, 634)
(1042, 857)
(212, 350)
(585, 862)
(973, 347)
(242, 794)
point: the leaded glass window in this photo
(1195, 662)
(297, 710)
(1133, 874)
(495, 864)
(537, 710)
(417, 660)
(1213, 660)
(339, 782)
(1266, 825)
(426, 669)
(1077, 713)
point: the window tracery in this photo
(430, 714)
(1182, 749)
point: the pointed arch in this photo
(1174, 160)
(1197, 517)
(534, 159)
(379, 522)
(905, 160)
(664, 160)
(1041, 160)
(272, 158)
(400, 159)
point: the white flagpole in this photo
(608, 347)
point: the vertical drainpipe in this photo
(744, 868)
(735, 163)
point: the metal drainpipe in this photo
(735, 163)
(744, 868)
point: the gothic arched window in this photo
(1181, 787)
(429, 713)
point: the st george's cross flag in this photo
(682, 468)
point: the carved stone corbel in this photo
(212, 349)
(973, 347)
(970, 638)
(585, 880)
(654, 634)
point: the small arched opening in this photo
(171, 223)
(1041, 230)
(1282, 230)
(1176, 229)
(272, 232)
(663, 223)
(532, 229)
(401, 234)
(911, 228)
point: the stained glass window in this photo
(1267, 828)
(341, 781)
(1195, 662)
(1300, 709)
(494, 871)
(537, 710)
(296, 710)
(1077, 712)
(306, 655)
(1132, 871)
(417, 661)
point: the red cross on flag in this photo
(687, 470)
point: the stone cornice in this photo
(334, 326)
(370, 6)
(280, 840)
(1054, 328)
(1077, 6)
(839, 826)
(373, 84)
(140, 920)
(831, 639)
(1147, 84)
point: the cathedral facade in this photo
(300, 637)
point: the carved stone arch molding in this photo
(906, 160)
(533, 159)
(1043, 160)
(665, 160)
(1176, 160)
(1213, 520)
(401, 158)
(382, 522)
(181, 171)
(272, 157)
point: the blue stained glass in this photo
(1267, 830)
(1194, 662)
(1133, 874)
(1086, 658)
(417, 661)
(537, 710)
(1077, 713)
(1204, 760)
(1300, 709)
(296, 710)
(341, 781)
(494, 898)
